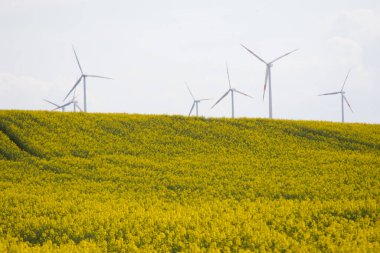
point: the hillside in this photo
(71, 182)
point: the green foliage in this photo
(74, 182)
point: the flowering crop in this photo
(75, 182)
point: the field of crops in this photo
(74, 182)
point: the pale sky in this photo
(151, 48)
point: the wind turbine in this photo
(230, 90)
(75, 103)
(76, 106)
(195, 103)
(268, 75)
(63, 107)
(342, 95)
(83, 77)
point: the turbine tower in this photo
(83, 77)
(342, 95)
(268, 75)
(195, 102)
(230, 90)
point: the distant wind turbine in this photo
(75, 103)
(76, 106)
(83, 77)
(195, 103)
(232, 90)
(342, 95)
(268, 75)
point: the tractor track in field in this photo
(17, 141)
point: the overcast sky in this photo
(151, 48)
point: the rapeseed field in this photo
(75, 182)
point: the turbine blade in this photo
(104, 77)
(345, 99)
(73, 88)
(67, 104)
(266, 81)
(331, 93)
(77, 106)
(253, 54)
(228, 75)
(345, 80)
(74, 95)
(282, 56)
(204, 99)
(190, 91)
(192, 107)
(51, 103)
(58, 107)
(221, 98)
(243, 93)
(76, 56)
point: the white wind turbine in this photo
(75, 103)
(82, 77)
(232, 90)
(268, 75)
(76, 106)
(342, 95)
(195, 102)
